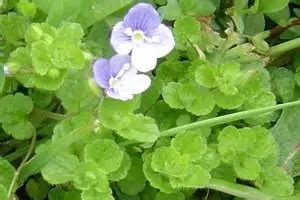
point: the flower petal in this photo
(166, 40)
(102, 73)
(134, 83)
(119, 40)
(142, 58)
(113, 94)
(142, 17)
(117, 63)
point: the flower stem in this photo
(227, 118)
(50, 115)
(283, 47)
(35, 164)
(238, 190)
(16, 176)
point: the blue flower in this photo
(118, 78)
(142, 34)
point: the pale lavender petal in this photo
(102, 73)
(120, 41)
(143, 58)
(117, 62)
(165, 42)
(113, 94)
(142, 17)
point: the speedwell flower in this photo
(142, 33)
(118, 78)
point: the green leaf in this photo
(42, 98)
(37, 188)
(168, 161)
(14, 107)
(210, 159)
(229, 101)
(277, 182)
(41, 57)
(106, 154)
(150, 96)
(135, 181)
(99, 46)
(171, 71)
(23, 129)
(156, 179)
(230, 73)
(164, 196)
(95, 195)
(186, 30)
(7, 174)
(140, 128)
(254, 24)
(60, 169)
(56, 194)
(92, 11)
(85, 12)
(190, 143)
(281, 17)
(270, 6)
(263, 99)
(249, 138)
(290, 33)
(76, 83)
(229, 143)
(264, 145)
(246, 167)
(26, 8)
(90, 177)
(286, 135)
(171, 95)
(13, 27)
(122, 172)
(3, 192)
(198, 7)
(198, 100)
(197, 178)
(40, 32)
(283, 83)
(206, 74)
(171, 11)
(113, 113)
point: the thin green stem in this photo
(284, 47)
(35, 164)
(238, 190)
(50, 115)
(16, 176)
(22, 151)
(227, 118)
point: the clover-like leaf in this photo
(191, 143)
(123, 169)
(156, 179)
(60, 169)
(197, 178)
(135, 180)
(168, 161)
(106, 154)
(246, 167)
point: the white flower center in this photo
(138, 36)
(114, 83)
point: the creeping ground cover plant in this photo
(149, 100)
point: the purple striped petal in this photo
(102, 72)
(120, 41)
(142, 17)
(117, 62)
